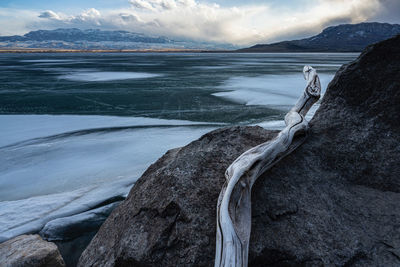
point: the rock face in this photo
(29, 250)
(334, 201)
(169, 216)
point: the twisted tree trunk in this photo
(234, 202)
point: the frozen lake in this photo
(80, 129)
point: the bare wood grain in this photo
(234, 202)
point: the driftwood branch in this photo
(234, 202)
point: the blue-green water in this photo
(79, 129)
(169, 86)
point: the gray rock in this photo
(337, 204)
(169, 216)
(29, 250)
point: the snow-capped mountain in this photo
(72, 38)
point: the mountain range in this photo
(72, 38)
(341, 38)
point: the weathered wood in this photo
(234, 202)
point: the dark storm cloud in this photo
(389, 12)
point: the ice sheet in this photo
(102, 76)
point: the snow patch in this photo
(102, 76)
(267, 90)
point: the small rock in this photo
(29, 250)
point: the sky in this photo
(222, 21)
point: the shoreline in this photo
(144, 51)
(41, 50)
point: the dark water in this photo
(180, 86)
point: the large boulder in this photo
(333, 201)
(169, 216)
(29, 250)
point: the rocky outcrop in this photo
(169, 216)
(333, 201)
(29, 250)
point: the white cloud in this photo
(89, 14)
(48, 14)
(151, 5)
(91, 17)
(242, 25)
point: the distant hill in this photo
(341, 38)
(72, 38)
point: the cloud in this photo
(87, 18)
(246, 24)
(48, 14)
(14, 21)
(129, 17)
(242, 25)
(89, 14)
(91, 17)
(389, 11)
(161, 4)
